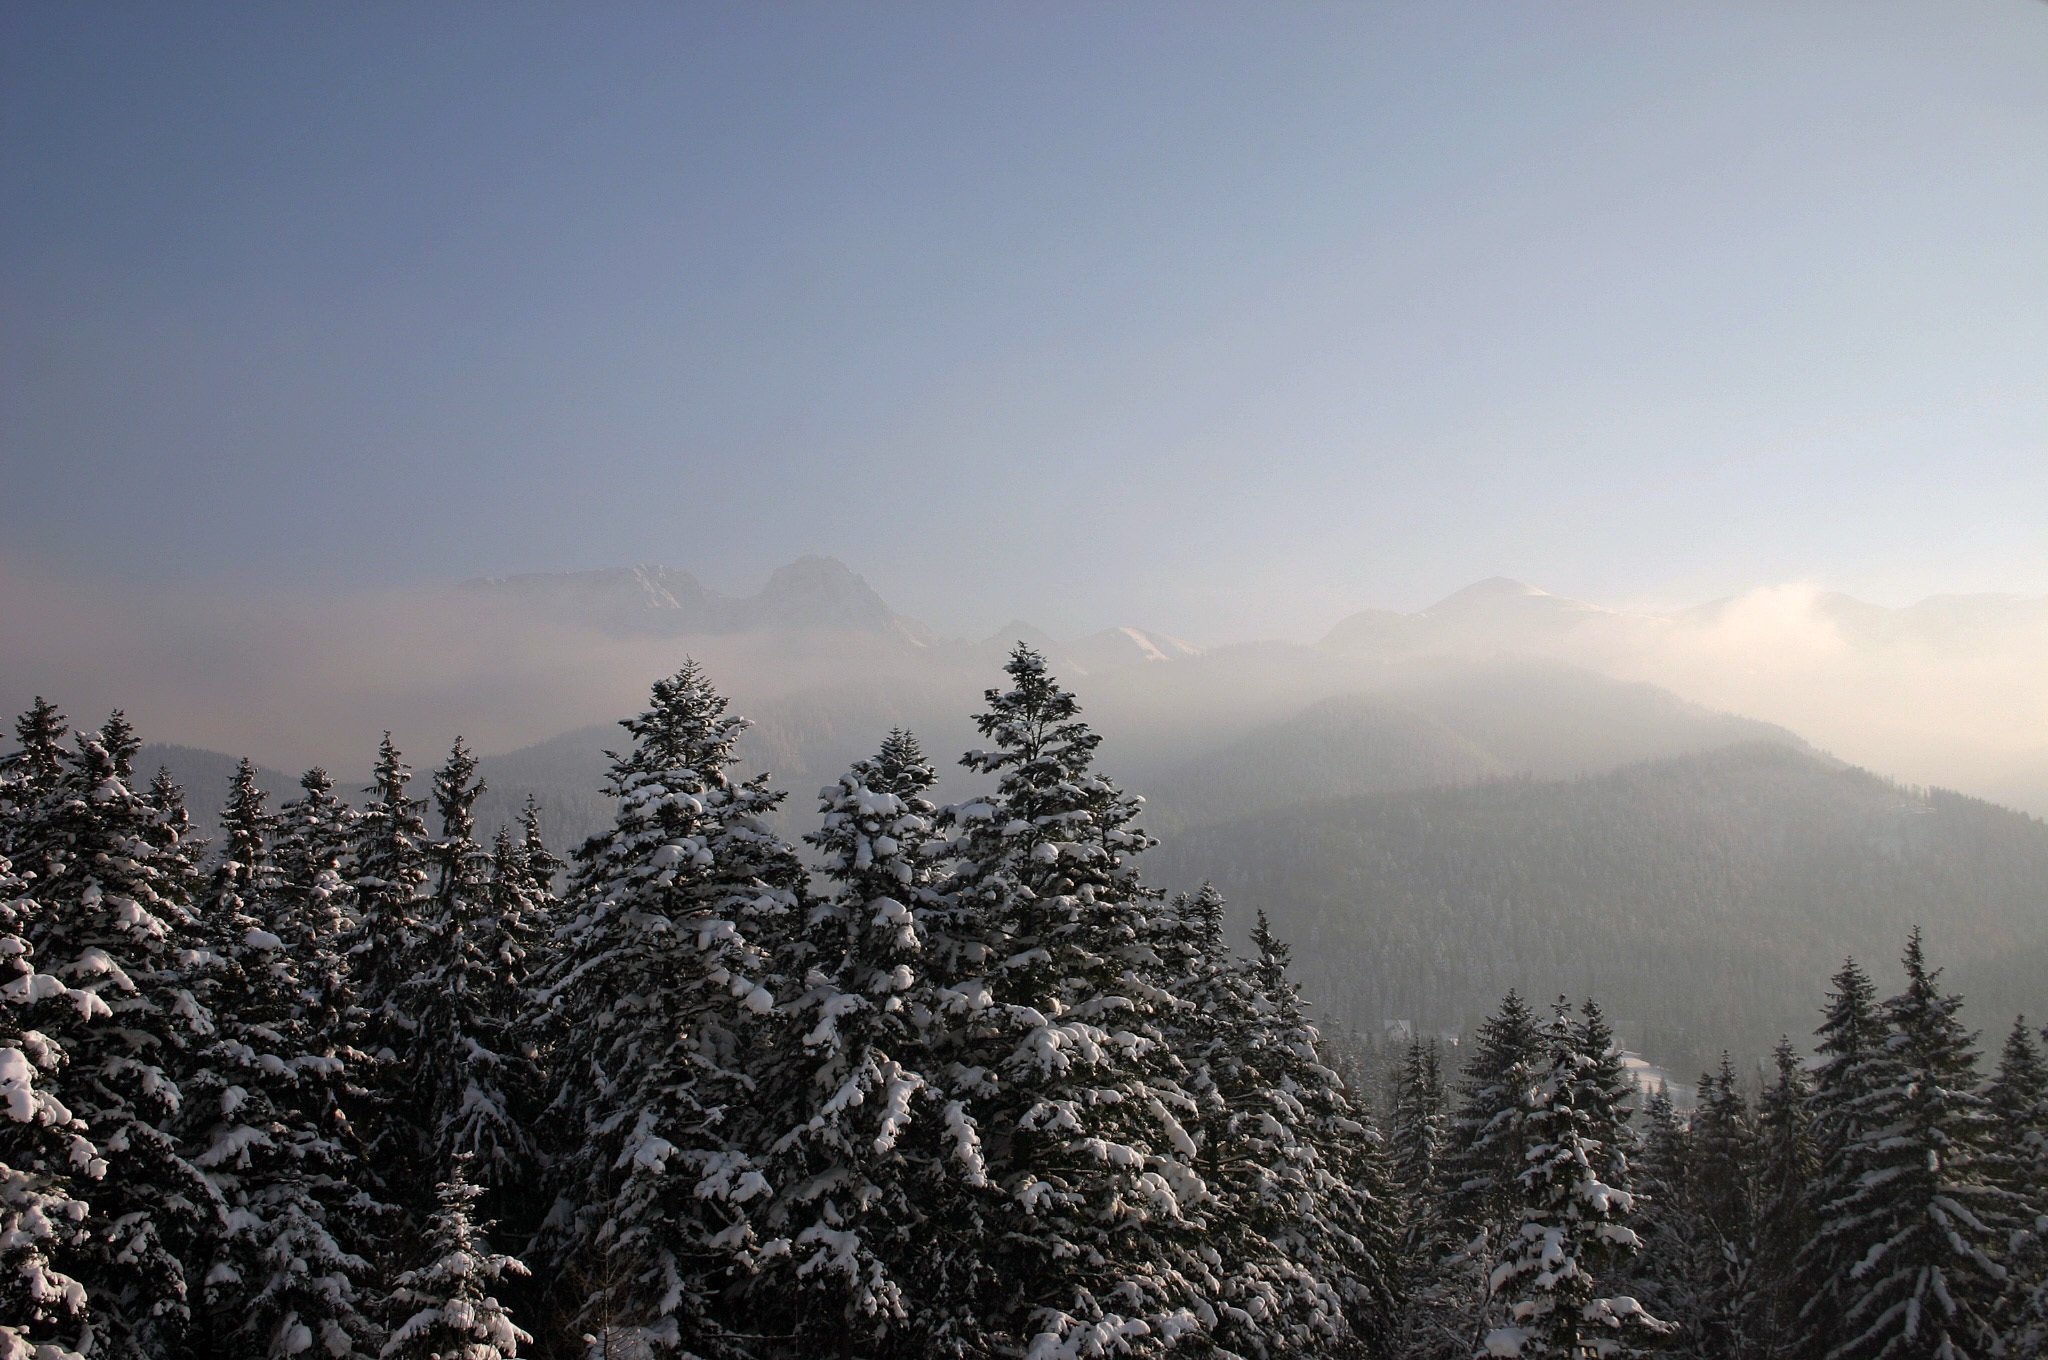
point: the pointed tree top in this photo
(392, 773)
(117, 734)
(685, 727)
(41, 734)
(456, 790)
(900, 767)
(167, 797)
(1204, 913)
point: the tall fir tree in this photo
(1481, 1198)
(444, 1309)
(1929, 1281)
(315, 906)
(1608, 1095)
(285, 1269)
(469, 1086)
(384, 956)
(1420, 1124)
(112, 920)
(1573, 1222)
(1419, 1142)
(1302, 1220)
(657, 992)
(1852, 1070)
(2026, 1306)
(1329, 1205)
(1787, 1162)
(2018, 1097)
(45, 1151)
(857, 1146)
(1660, 1276)
(35, 771)
(1093, 1239)
(1720, 1200)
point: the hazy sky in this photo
(1222, 319)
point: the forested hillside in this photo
(1693, 894)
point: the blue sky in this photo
(1222, 319)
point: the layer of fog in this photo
(1952, 692)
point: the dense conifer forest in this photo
(358, 1079)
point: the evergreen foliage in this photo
(1787, 1163)
(470, 1087)
(385, 955)
(262, 1118)
(1481, 1201)
(444, 1310)
(857, 1146)
(1574, 1216)
(315, 907)
(1930, 1279)
(111, 922)
(45, 1152)
(1062, 1051)
(659, 990)
(981, 1091)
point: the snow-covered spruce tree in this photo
(2018, 1097)
(1660, 1276)
(112, 918)
(658, 999)
(38, 767)
(1328, 1204)
(385, 954)
(1573, 1222)
(284, 1271)
(1419, 1126)
(1786, 1166)
(314, 909)
(1217, 1028)
(1481, 1196)
(1721, 1206)
(1929, 1282)
(541, 864)
(45, 1154)
(444, 1309)
(859, 1140)
(1854, 1066)
(1092, 1242)
(524, 910)
(1609, 1093)
(391, 873)
(181, 848)
(522, 900)
(2026, 1303)
(1299, 1219)
(1419, 1143)
(468, 1086)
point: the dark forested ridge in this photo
(1695, 895)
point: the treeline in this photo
(1887, 1202)
(348, 1086)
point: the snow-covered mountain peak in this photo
(1126, 646)
(1492, 591)
(807, 595)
